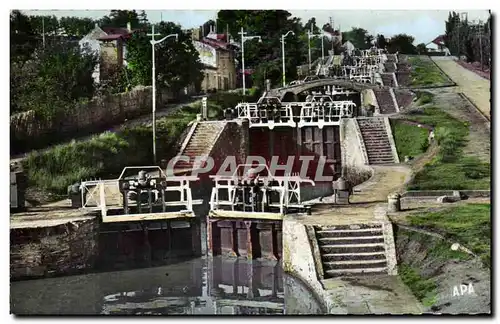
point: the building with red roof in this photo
(437, 45)
(218, 57)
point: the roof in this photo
(438, 40)
(220, 37)
(217, 44)
(116, 30)
(247, 71)
(113, 37)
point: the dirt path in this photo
(476, 88)
(479, 139)
(365, 200)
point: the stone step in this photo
(372, 128)
(377, 149)
(376, 136)
(195, 150)
(346, 272)
(354, 264)
(381, 159)
(373, 132)
(330, 257)
(381, 162)
(350, 240)
(349, 227)
(352, 248)
(378, 152)
(382, 141)
(348, 233)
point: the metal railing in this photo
(279, 193)
(104, 195)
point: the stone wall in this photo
(94, 115)
(53, 250)
(352, 151)
(233, 141)
(298, 258)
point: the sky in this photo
(424, 25)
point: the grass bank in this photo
(450, 169)
(106, 154)
(410, 140)
(424, 72)
(422, 257)
(469, 225)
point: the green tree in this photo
(403, 44)
(23, 39)
(270, 25)
(381, 41)
(421, 49)
(53, 79)
(358, 37)
(74, 26)
(47, 24)
(177, 63)
(120, 18)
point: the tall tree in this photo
(270, 25)
(53, 79)
(381, 41)
(421, 49)
(23, 39)
(358, 37)
(120, 18)
(75, 26)
(177, 63)
(403, 44)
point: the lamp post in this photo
(311, 35)
(283, 52)
(153, 43)
(243, 39)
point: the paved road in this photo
(475, 87)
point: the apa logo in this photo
(464, 290)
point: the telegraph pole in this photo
(43, 31)
(480, 31)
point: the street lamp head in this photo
(289, 32)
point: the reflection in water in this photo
(199, 286)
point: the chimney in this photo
(129, 27)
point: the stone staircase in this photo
(403, 67)
(388, 79)
(390, 67)
(392, 58)
(199, 142)
(352, 250)
(376, 140)
(404, 98)
(385, 100)
(403, 78)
